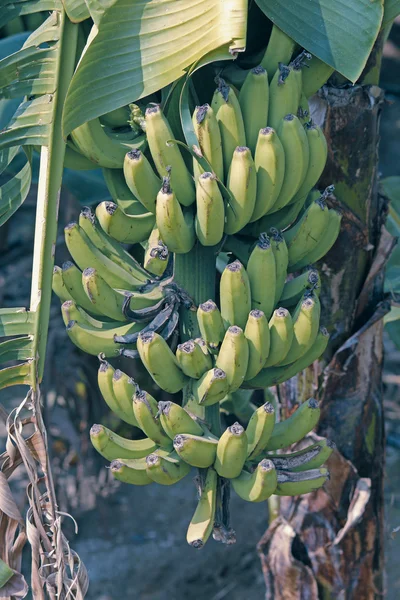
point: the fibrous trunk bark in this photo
(329, 544)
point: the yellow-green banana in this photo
(197, 451)
(305, 329)
(103, 297)
(259, 485)
(166, 470)
(176, 226)
(327, 238)
(156, 255)
(318, 150)
(211, 388)
(105, 376)
(72, 312)
(131, 471)
(294, 428)
(311, 457)
(192, 360)
(95, 341)
(120, 193)
(118, 117)
(269, 161)
(231, 452)
(315, 76)
(279, 50)
(227, 110)
(210, 323)
(161, 362)
(128, 229)
(202, 522)
(59, 287)
(112, 446)
(258, 339)
(175, 420)
(124, 389)
(235, 295)
(261, 270)
(304, 236)
(294, 289)
(233, 357)
(141, 179)
(284, 96)
(72, 278)
(294, 484)
(281, 254)
(279, 220)
(242, 183)
(208, 134)
(167, 156)
(254, 100)
(145, 409)
(210, 210)
(259, 429)
(281, 336)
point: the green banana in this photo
(259, 429)
(72, 312)
(294, 484)
(202, 522)
(281, 254)
(105, 376)
(284, 96)
(161, 362)
(318, 152)
(294, 289)
(175, 226)
(315, 76)
(103, 297)
(305, 329)
(156, 255)
(235, 295)
(304, 236)
(230, 120)
(210, 210)
(59, 287)
(145, 409)
(197, 451)
(120, 193)
(210, 323)
(279, 50)
(192, 360)
(257, 335)
(124, 389)
(294, 428)
(254, 100)
(166, 470)
(72, 278)
(311, 457)
(269, 161)
(175, 420)
(112, 446)
(141, 179)
(231, 452)
(105, 150)
(261, 270)
(211, 388)
(73, 159)
(208, 134)
(279, 220)
(167, 156)
(242, 183)
(233, 357)
(259, 485)
(281, 336)
(95, 341)
(86, 254)
(118, 117)
(327, 238)
(297, 155)
(128, 229)
(131, 471)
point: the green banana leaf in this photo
(10, 9)
(76, 10)
(5, 573)
(392, 10)
(143, 46)
(340, 32)
(390, 186)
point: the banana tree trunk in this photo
(329, 544)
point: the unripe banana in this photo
(295, 144)
(132, 471)
(72, 279)
(175, 226)
(315, 76)
(168, 155)
(105, 376)
(103, 297)
(254, 100)
(210, 323)
(229, 117)
(258, 339)
(279, 220)
(112, 446)
(303, 112)
(295, 288)
(318, 150)
(160, 362)
(269, 161)
(242, 183)
(95, 341)
(305, 330)
(233, 357)
(210, 214)
(327, 238)
(284, 96)
(124, 389)
(261, 270)
(192, 360)
(211, 388)
(281, 255)
(202, 523)
(258, 486)
(118, 117)
(174, 420)
(166, 470)
(141, 179)
(145, 409)
(311, 457)
(120, 193)
(72, 312)
(207, 132)
(128, 229)
(279, 50)
(235, 295)
(294, 428)
(305, 235)
(156, 255)
(295, 484)
(231, 452)
(281, 336)
(59, 287)
(259, 429)
(197, 451)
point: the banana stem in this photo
(274, 505)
